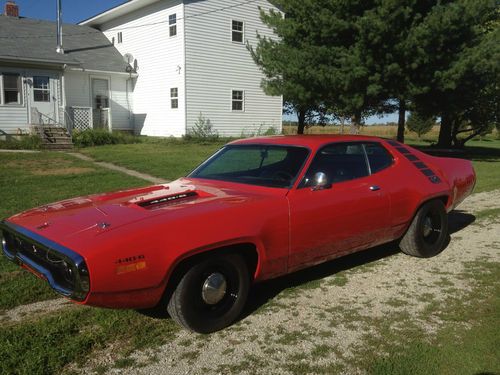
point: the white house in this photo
(191, 58)
(146, 66)
(87, 86)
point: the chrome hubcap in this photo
(214, 288)
(427, 227)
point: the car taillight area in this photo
(65, 271)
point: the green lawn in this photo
(171, 158)
(29, 180)
(47, 344)
(165, 158)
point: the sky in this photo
(74, 11)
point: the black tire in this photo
(428, 232)
(188, 304)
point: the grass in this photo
(165, 158)
(29, 180)
(455, 350)
(47, 345)
(173, 158)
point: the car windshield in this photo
(264, 165)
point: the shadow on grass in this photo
(262, 293)
(474, 153)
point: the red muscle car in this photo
(257, 209)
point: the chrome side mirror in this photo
(320, 182)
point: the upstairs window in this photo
(11, 89)
(120, 37)
(41, 89)
(237, 100)
(237, 31)
(172, 22)
(174, 98)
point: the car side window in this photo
(378, 157)
(340, 162)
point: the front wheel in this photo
(211, 294)
(428, 231)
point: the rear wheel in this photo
(211, 294)
(428, 231)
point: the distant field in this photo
(387, 131)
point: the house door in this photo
(43, 99)
(100, 104)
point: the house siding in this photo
(160, 61)
(78, 94)
(215, 66)
(15, 119)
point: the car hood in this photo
(70, 219)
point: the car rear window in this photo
(378, 157)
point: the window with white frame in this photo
(11, 89)
(172, 22)
(120, 37)
(41, 89)
(174, 98)
(237, 100)
(237, 31)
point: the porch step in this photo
(54, 137)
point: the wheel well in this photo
(444, 198)
(247, 250)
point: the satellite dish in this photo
(129, 58)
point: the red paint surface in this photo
(290, 228)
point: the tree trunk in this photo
(445, 129)
(401, 121)
(355, 123)
(302, 121)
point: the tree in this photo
(317, 64)
(456, 59)
(420, 124)
(288, 65)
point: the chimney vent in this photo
(11, 9)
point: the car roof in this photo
(310, 141)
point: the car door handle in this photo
(374, 188)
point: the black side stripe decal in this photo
(420, 165)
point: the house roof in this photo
(117, 11)
(30, 40)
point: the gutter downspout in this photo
(63, 100)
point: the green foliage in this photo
(457, 70)
(356, 58)
(99, 137)
(26, 142)
(202, 129)
(47, 345)
(420, 124)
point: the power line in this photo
(132, 27)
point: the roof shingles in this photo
(26, 39)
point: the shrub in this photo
(100, 137)
(202, 129)
(420, 124)
(27, 142)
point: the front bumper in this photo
(65, 271)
